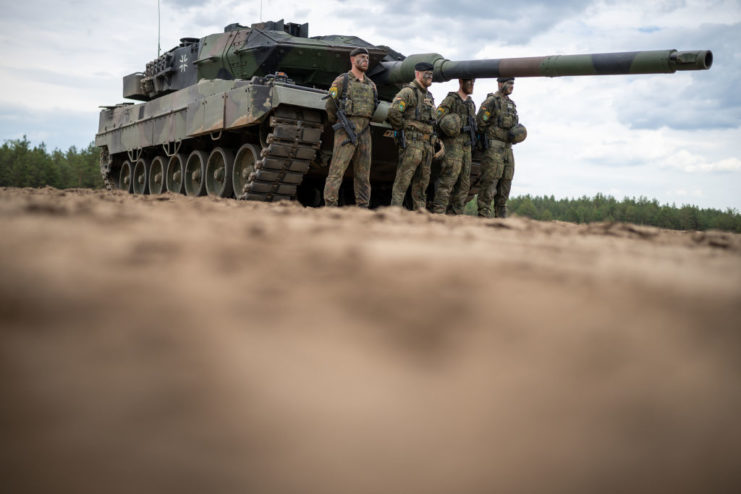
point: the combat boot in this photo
(500, 212)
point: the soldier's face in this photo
(467, 85)
(424, 78)
(360, 62)
(507, 87)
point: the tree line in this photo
(22, 165)
(641, 211)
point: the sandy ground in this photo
(178, 345)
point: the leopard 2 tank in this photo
(241, 113)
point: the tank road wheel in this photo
(141, 172)
(124, 178)
(195, 174)
(244, 166)
(157, 175)
(219, 172)
(174, 179)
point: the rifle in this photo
(344, 123)
(401, 138)
(483, 142)
(471, 129)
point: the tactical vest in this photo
(506, 117)
(466, 110)
(359, 99)
(422, 116)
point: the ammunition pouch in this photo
(466, 131)
(498, 144)
(498, 133)
(417, 126)
(418, 136)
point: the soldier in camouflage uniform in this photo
(413, 112)
(455, 172)
(496, 118)
(356, 95)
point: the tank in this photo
(241, 113)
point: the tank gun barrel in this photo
(637, 62)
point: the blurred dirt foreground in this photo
(165, 344)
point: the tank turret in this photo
(241, 113)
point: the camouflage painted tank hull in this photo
(262, 139)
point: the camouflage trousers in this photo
(414, 168)
(497, 171)
(342, 154)
(455, 177)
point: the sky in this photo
(675, 138)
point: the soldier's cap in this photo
(505, 79)
(422, 66)
(358, 51)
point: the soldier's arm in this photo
(334, 99)
(444, 108)
(486, 112)
(398, 106)
(375, 92)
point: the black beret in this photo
(422, 66)
(358, 51)
(505, 79)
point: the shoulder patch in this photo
(402, 105)
(486, 116)
(440, 111)
(333, 92)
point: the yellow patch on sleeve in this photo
(440, 112)
(333, 92)
(486, 116)
(402, 106)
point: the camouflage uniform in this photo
(359, 100)
(497, 115)
(413, 110)
(455, 172)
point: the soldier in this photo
(497, 118)
(458, 136)
(412, 114)
(352, 100)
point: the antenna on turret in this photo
(158, 29)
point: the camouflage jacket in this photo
(453, 103)
(359, 98)
(413, 108)
(497, 115)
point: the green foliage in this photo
(641, 211)
(24, 166)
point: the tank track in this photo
(292, 145)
